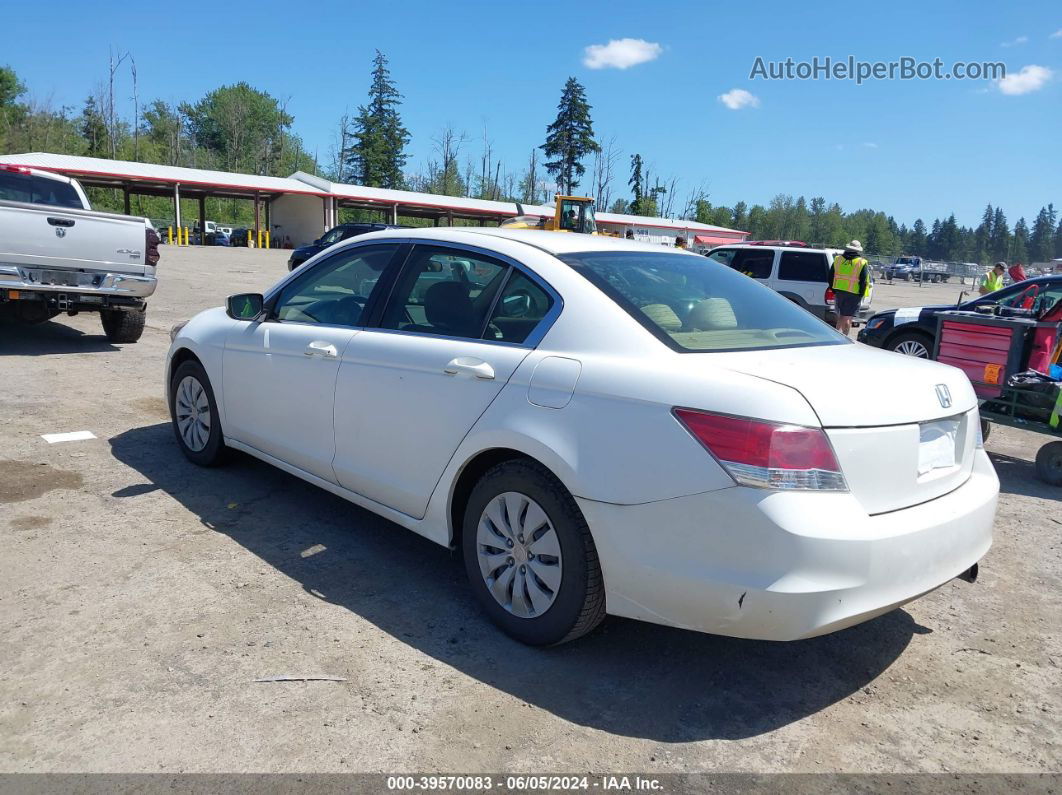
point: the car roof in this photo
(759, 246)
(550, 242)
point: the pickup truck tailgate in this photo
(34, 236)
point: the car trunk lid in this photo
(904, 429)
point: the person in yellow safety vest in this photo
(850, 281)
(993, 280)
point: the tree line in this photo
(241, 128)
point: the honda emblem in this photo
(944, 396)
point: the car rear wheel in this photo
(123, 325)
(911, 343)
(194, 413)
(1049, 463)
(530, 557)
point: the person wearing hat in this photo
(993, 280)
(848, 279)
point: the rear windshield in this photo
(695, 304)
(15, 187)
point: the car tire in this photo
(202, 443)
(1049, 463)
(550, 588)
(123, 326)
(912, 343)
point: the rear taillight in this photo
(151, 243)
(767, 455)
(829, 295)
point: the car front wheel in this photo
(530, 557)
(194, 413)
(911, 343)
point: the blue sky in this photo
(911, 148)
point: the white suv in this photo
(796, 271)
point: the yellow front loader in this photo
(571, 214)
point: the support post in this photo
(394, 215)
(449, 217)
(202, 220)
(177, 205)
(125, 199)
(257, 217)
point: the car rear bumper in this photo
(81, 283)
(785, 565)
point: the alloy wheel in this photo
(519, 554)
(192, 408)
(912, 348)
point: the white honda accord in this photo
(600, 426)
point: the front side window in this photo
(332, 236)
(1036, 297)
(444, 291)
(696, 304)
(334, 292)
(803, 266)
(754, 262)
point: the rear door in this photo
(456, 326)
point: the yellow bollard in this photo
(259, 238)
(267, 238)
(250, 238)
(186, 235)
(169, 235)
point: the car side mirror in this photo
(244, 306)
(317, 242)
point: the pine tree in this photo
(999, 241)
(1040, 244)
(377, 155)
(93, 128)
(570, 137)
(1018, 250)
(916, 243)
(637, 205)
(1058, 240)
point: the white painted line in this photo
(73, 436)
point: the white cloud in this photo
(738, 98)
(621, 53)
(1015, 42)
(1029, 78)
(1056, 35)
(870, 145)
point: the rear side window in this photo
(756, 263)
(446, 292)
(803, 266)
(30, 188)
(521, 307)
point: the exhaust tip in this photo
(970, 575)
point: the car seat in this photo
(711, 314)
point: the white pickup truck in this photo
(58, 255)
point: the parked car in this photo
(238, 236)
(58, 255)
(599, 425)
(908, 268)
(331, 237)
(912, 330)
(219, 238)
(794, 270)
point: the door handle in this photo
(470, 366)
(61, 221)
(323, 349)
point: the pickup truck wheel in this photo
(1049, 463)
(123, 325)
(530, 557)
(194, 414)
(911, 343)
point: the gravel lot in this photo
(142, 596)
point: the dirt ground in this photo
(141, 597)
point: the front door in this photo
(453, 332)
(280, 373)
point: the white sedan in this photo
(600, 426)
